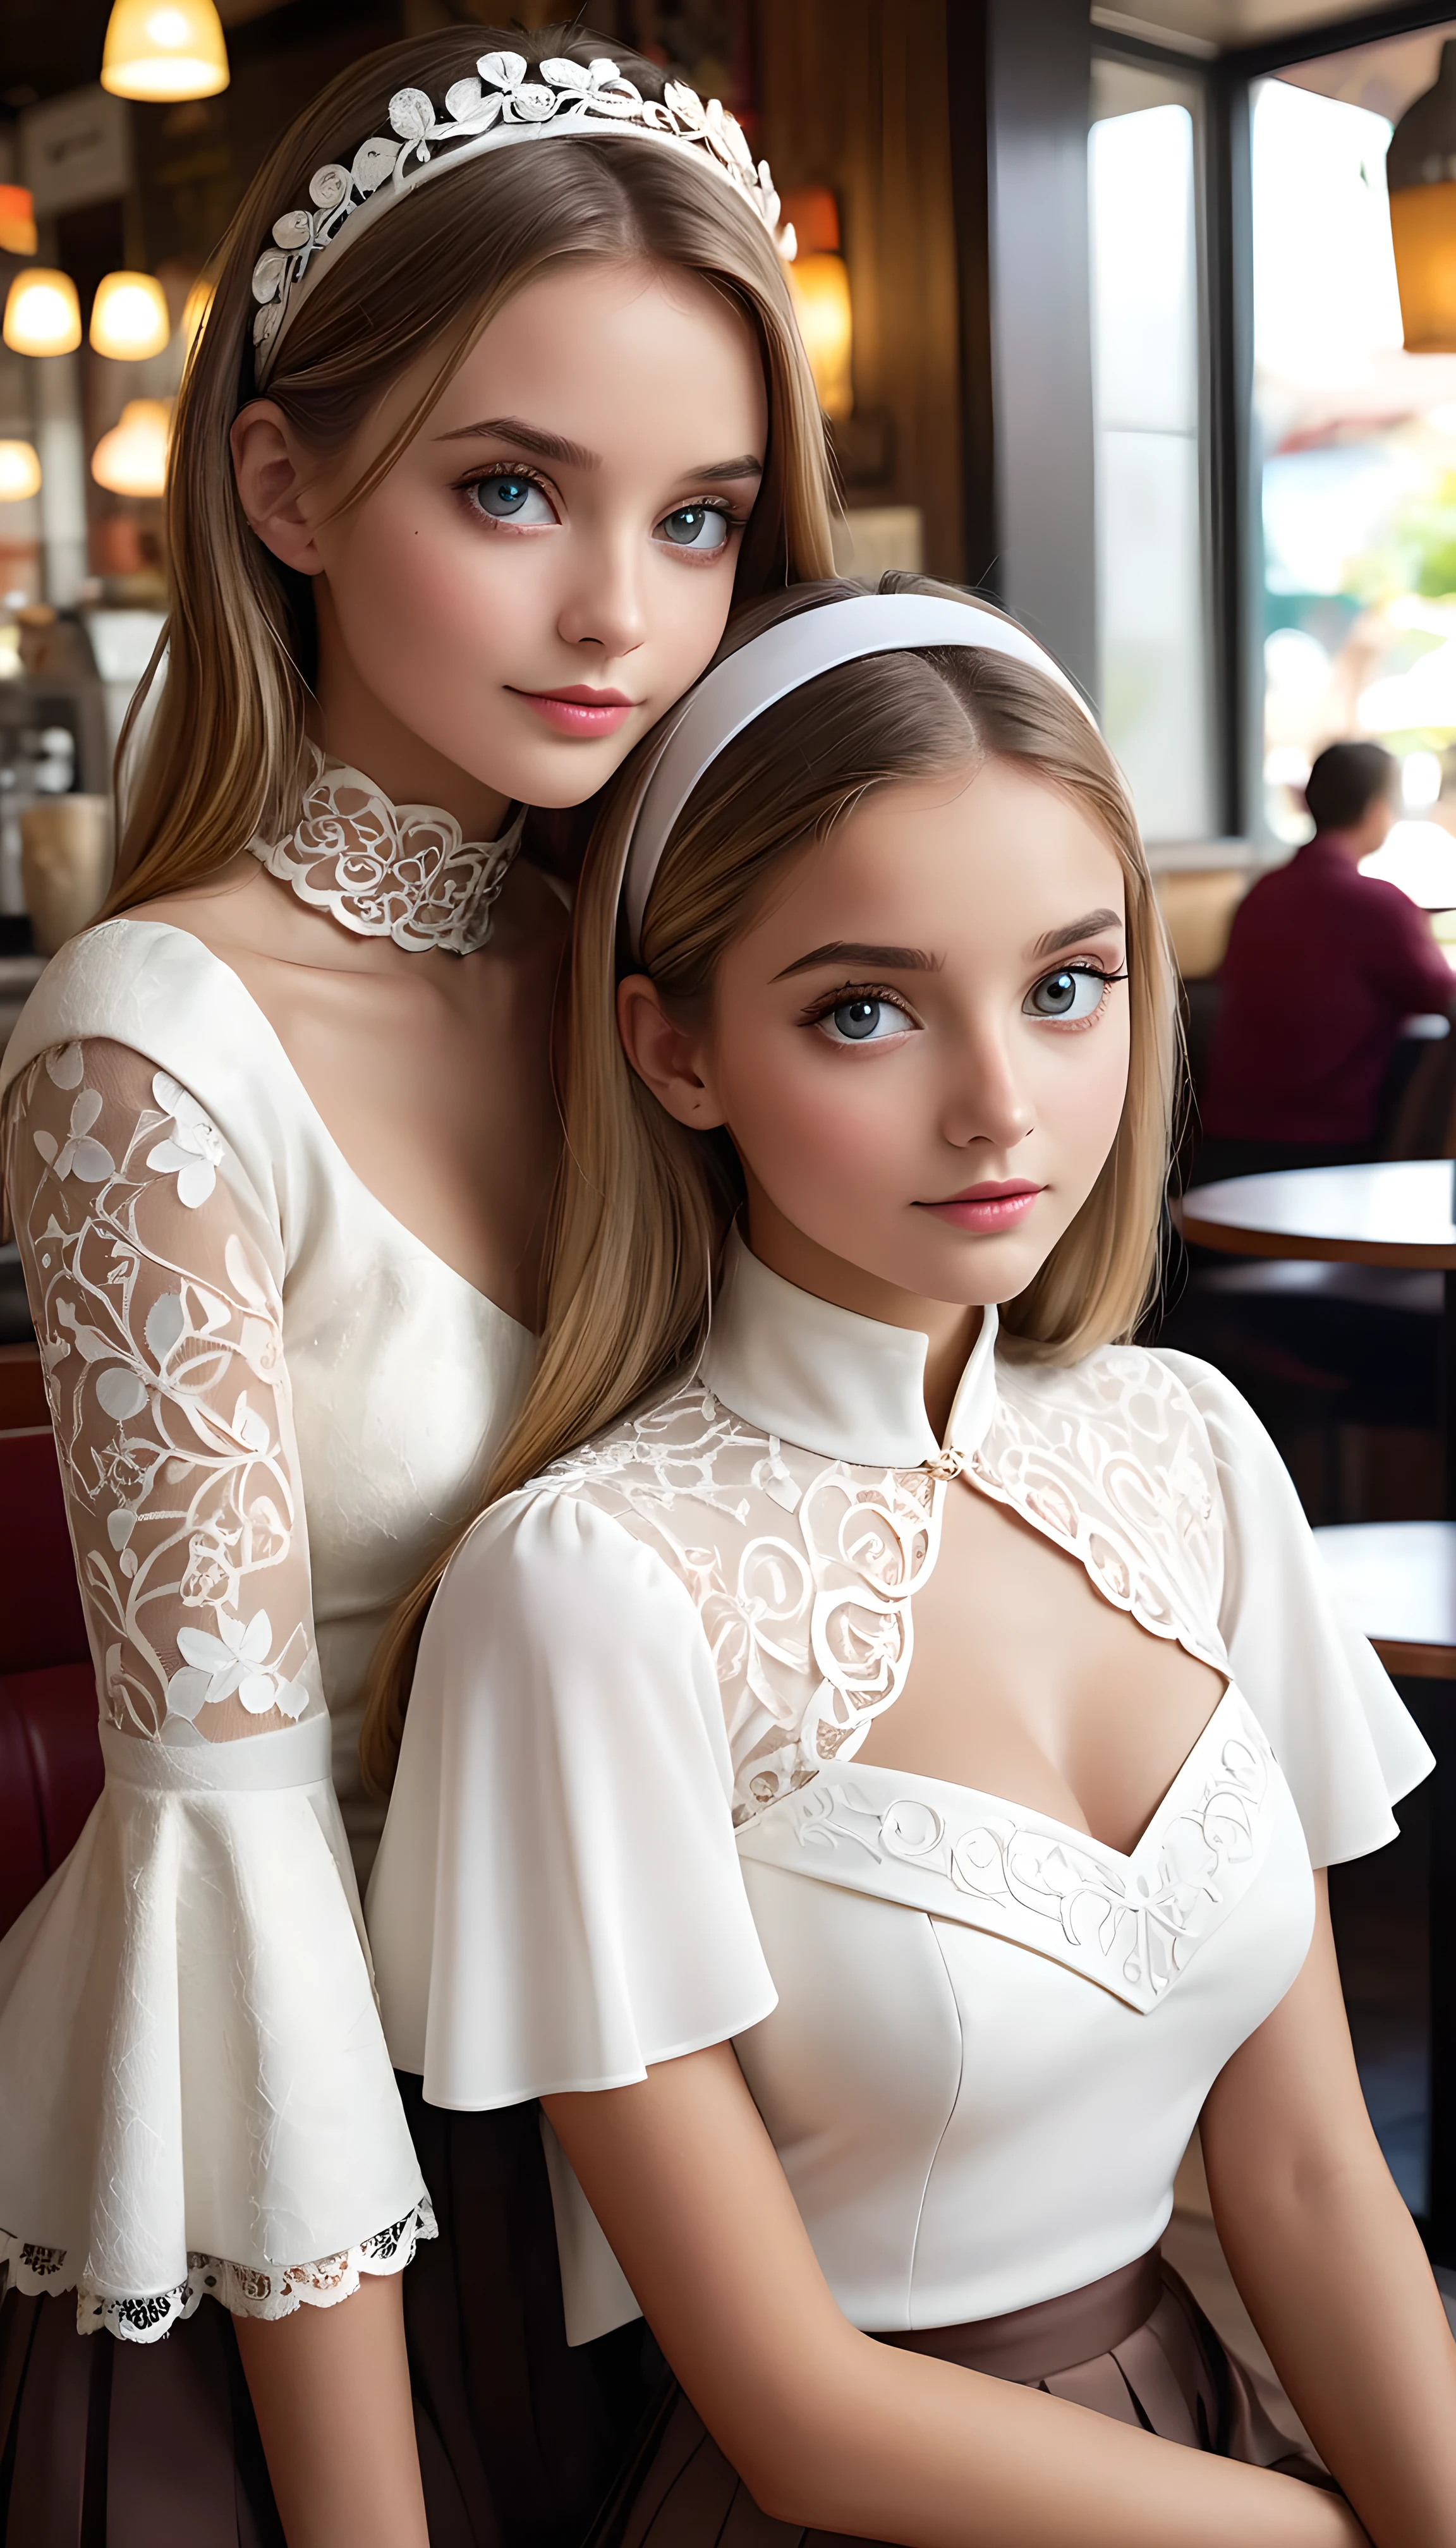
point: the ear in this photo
(668, 1060)
(272, 485)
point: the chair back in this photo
(50, 1769)
(1421, 1124)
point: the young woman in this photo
(871, 1794)
(498, 402)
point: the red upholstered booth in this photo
(50, 1755)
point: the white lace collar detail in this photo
(794, 1485)
(385, 870)
(835, 1382)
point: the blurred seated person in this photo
(1323, 965)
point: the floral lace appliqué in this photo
(160, 1328)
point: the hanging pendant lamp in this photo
(1420, 173)
(20, 472)
(164, 50)
(128, 318)
(17, 221)
(132, 460)
(42, 313)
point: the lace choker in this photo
(383, 871)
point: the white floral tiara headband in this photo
(498, 106)
(783, 659)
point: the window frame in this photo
(1190, 73)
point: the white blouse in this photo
(629, 1822)
(271, 1404)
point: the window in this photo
(1153, 617)
(1357, 452)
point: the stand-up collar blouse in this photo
(630, 1822)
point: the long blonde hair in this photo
(643, 1204)
(223, 754)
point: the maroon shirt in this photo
(1323, 965)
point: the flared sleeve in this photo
(195, 2093)
(557, 1902)
(1348, 1748)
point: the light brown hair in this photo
(224, 754)
(644, 1204)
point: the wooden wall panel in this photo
(852, 95)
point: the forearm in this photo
(1326, 2258)
(829, 2428)
(905, 2448)
(1337, 2281)
(330, 2389)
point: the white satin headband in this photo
(785, 659)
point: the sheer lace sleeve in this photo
(195, 2092)
(155, 1285)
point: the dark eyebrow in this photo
(747, 467)
(1087, 926)
(527, 437)
(849, 950)
(575, 455)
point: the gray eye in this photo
(508, 498)
(858, 1019)
(695, 526)
(1073, 991)
(863, 1020)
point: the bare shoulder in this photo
(244, 914)
(231, 911)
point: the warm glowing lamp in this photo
(821, 296)
(195, 309)
(819, 282)
(17, 221)
(164, 49)
(20, 472)
(132, 460)
(1420, 172)
(42, 313)
(128, 318)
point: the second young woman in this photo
(875, 1793)
(499, 401)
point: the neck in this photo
(1353, 846)
(353, 724)
(951, 1327)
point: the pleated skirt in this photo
(108, 2444)
(524, 2439)
(1135, 2346)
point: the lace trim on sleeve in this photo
(154, 1286)
(244, 2291)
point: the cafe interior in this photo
(1139, 320)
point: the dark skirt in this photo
(523, 2438)
(108, 2444)
(1135, 2346)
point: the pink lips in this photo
(987, 1208)
(581, 711)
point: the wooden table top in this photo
(1396, 1583)
(1394, 1212)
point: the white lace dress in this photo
(629, 1821)
(271, 1404)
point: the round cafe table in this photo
(1392, 1212)
(1397, 1581)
